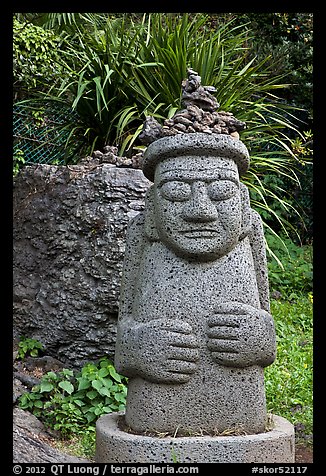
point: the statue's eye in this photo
(222, 190)
(176, 191)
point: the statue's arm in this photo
(250, 330)
(135, 244)
(257, 242)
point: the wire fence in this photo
(39, 135)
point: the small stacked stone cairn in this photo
(109, 155)
(199, 114)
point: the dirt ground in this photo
(303, 454)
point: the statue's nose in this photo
(199, 208)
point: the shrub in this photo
(288, 39)
(35, 58)
(72, 403)
(122, 69)
(284, 201)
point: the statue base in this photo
(114, 445)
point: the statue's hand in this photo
(167, 351)
(240, 335)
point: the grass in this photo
(289, 380)
(82, 446)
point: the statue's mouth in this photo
(200, 233)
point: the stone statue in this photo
(195, 330)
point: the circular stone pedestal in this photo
(116, 446)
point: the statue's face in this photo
(197, 206)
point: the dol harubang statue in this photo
(195, 330)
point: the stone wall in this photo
(69, 241)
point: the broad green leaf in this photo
(78, 402)
(51, 374)
(90, 417)
(120, 397)
(105, 391)
(107, 382)
(104, 362)
(83, 383)
(46, 387)
(97, 384)
(103, 372)
(66, 386)
(114, 374)
(92, 394)
(68, 372)
(38, 404)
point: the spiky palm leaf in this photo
(120, 69)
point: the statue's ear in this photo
(150, 227)
(246, 211)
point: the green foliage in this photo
(281, 195)
(62, 22)
(18, 162)
(121, 68)
(99, 64)
(294, 277)
(81, 445)
(29, 347)
(287, 39)
(35, 58)
(289, 380)
(302, 193)
(72, 403)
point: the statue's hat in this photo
(195, 144)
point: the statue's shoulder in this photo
(256, 219)
(136, 224)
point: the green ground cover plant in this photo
(290, 267)
(289, 381)
(71, 402)
(29, 347)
